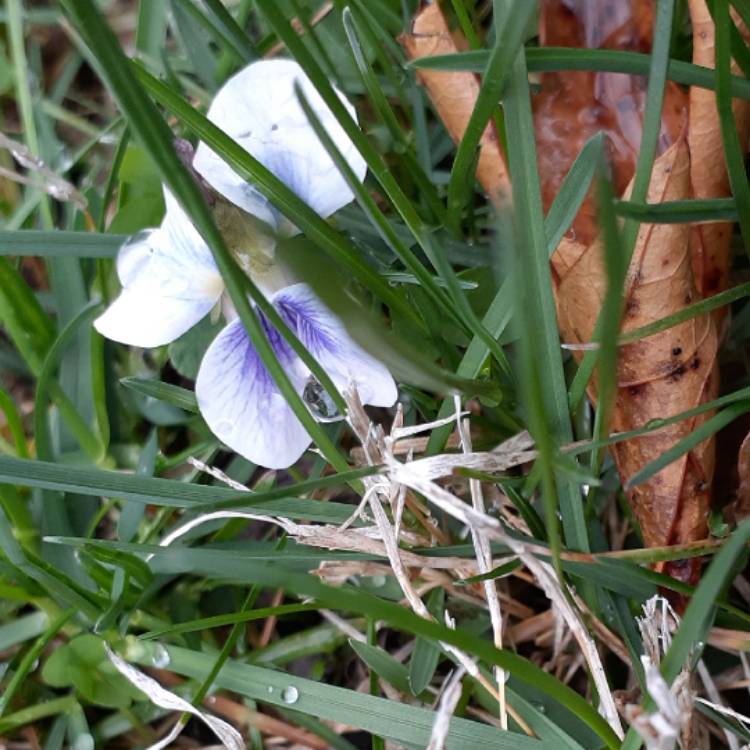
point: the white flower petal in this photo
(327, 340)
(170, 282)
(241, 403)
(258, 107)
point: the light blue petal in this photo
(327, 340)
(241, 403)
(258, 107)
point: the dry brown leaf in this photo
(711, 252)
(660, 376)
(674, 370)
(740, 508)
(573, 106)
(454, 94)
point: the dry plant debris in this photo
(671, 266)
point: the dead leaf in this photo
(660, 376)
(708, 173)
(573, 106)
(674, 370)
(740, 508)
(453, 94)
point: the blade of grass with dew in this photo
(509, 39)
(399, 722)
(347, 598)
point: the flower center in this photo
(250, 240)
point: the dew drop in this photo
(540, 707)
(270, 689)
(160, 657)
(378, 581)
(290, 694)
(320, 402)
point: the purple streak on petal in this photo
(242, 405)
(327, 340)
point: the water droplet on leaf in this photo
(160, 658)
(290, 694)
(319, 402)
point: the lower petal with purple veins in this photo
(241, 402)
(327, 340)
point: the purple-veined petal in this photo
(258, 107)
(241, 403)
(170, 282)
(327, 340)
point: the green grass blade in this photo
(733, 153)
(399, 722)
(171, 394)
(508, 42)
(709, 428)
(552, 59)
(550, 405)
(679, 212)
(58, 242)
(171, 493)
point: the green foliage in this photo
(94, 469)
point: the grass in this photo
(269, 610)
